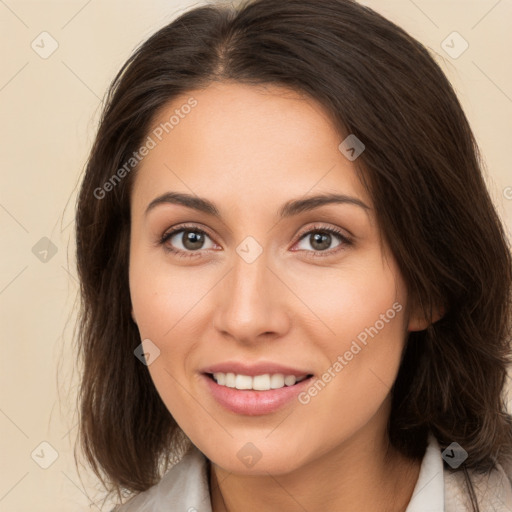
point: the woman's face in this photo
(252, 283)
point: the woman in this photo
(295, 287)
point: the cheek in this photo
(156, 291)
(164, 299)
(363, 314)
(163, 303)
(344, 302)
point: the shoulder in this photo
(493, 490)
(184, 487)
(441, 488)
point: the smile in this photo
(262, 382)
(241, 394)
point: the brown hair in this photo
(421, 167)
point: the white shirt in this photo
(184, 488)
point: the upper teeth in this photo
(258, 382)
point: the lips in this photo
(251, 402)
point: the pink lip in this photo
(254, 369)
(254, 403)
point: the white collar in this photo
(428, 493)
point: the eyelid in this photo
(319, 226)
(182, 227)
(345, 240)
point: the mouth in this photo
(255, 395)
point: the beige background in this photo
(50, 109)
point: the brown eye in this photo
(321, 239)
(192, 240)
(185, 241)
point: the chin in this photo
(257, 459)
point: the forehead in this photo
(262, 144)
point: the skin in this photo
(249, 150)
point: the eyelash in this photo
(345, 241)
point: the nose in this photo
(251, 302)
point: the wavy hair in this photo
(421, 167)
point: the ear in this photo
(418, 321)
(133, 316)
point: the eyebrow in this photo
(290, 208)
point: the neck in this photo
(356, 476)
